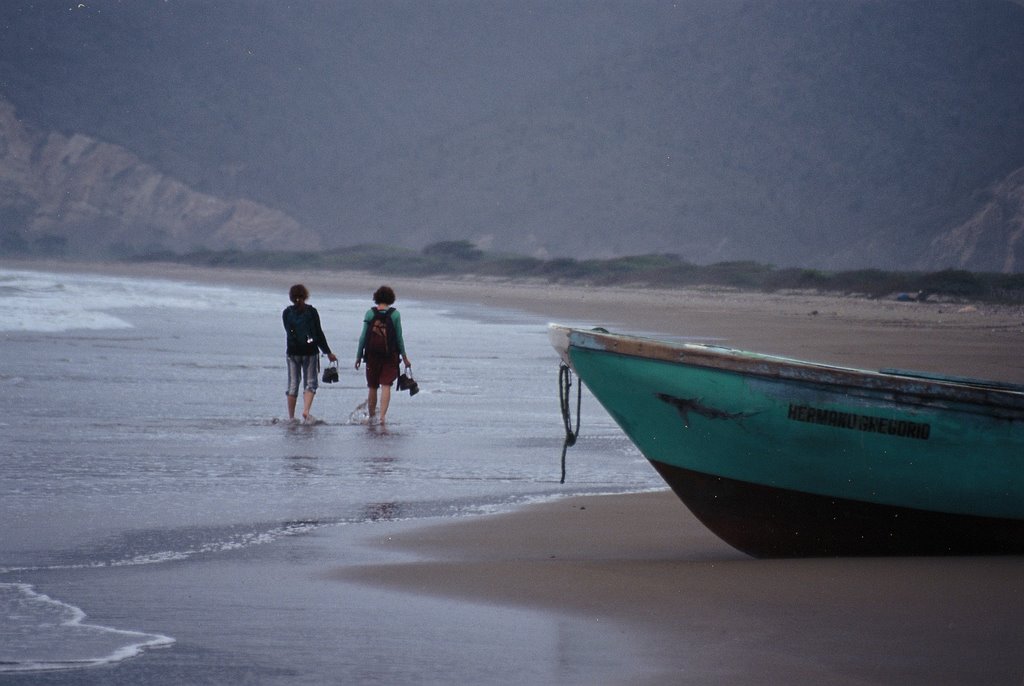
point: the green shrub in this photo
(456, 250)
(656, 270)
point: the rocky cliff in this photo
(75, 195)
(993, 239)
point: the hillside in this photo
(993, 237)
(76, 196)
(796, 132)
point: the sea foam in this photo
(46, 634)
(50, 302)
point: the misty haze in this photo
(833, 135)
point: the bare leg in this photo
(307, 403)
(371, 402)
(291, 406)
(385, 400)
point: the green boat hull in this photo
(786, 458)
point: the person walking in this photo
(305, 341)
(380, 346)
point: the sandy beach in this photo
(700, 611)
(707, 613)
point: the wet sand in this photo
(696, 611)
(693, 609)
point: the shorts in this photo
(305, 367)
(381, 371)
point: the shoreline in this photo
(972, 340)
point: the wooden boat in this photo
(786, 458)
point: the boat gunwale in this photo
(788, 369)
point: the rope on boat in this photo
(564, 394)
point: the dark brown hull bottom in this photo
(770, 522)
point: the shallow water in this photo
(147, 463)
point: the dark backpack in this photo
(381, 339)
(300, 328)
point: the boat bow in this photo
(784, 457)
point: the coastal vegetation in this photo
(462, 259)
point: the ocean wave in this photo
(217, 544)
(51, 302)
(48, 303)
(39, 633)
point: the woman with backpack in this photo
(306, 340)
(381, 345)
